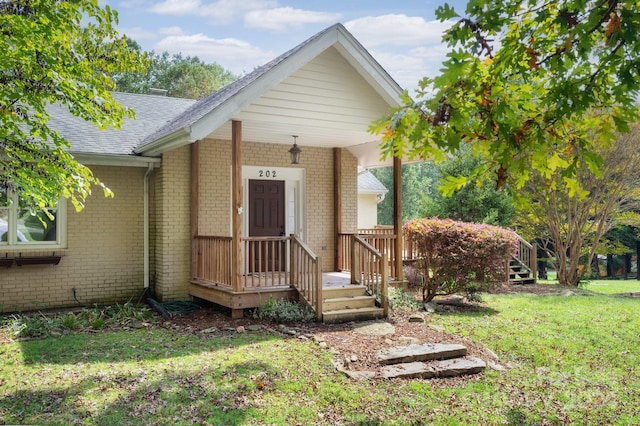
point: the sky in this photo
(402, 35)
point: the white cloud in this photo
(171, 31)
(397, 30)
(235, 55)
(221, 11)
(409, 48)
(282, 18)
(177, 7)
(138, 34)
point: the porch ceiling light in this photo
(295, 151)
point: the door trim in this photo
(294, 192)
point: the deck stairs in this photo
(519, 273)
(348, 303)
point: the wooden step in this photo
(425, 352)
(346, 315)
(344, 291)
(446, 368)
(522, 281)
(340, 303)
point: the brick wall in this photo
(349, 192)
(215, 190)
(104, 258)
(172, 233)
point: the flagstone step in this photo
(424, 352)
(434, 369)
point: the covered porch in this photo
(258, 223)
(285, 267)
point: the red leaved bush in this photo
(459, 257)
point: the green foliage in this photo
(403, 301)
(518, 86)
(182, 77)
(571, 229)
(418, 183)
(55, 52)
(282, 311)
(568, 360)
(40, 325)
(474, 201)
(458, 256)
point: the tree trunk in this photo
(611, 273)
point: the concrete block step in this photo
(340, 303)
(424, 352)
(346, 315)
(344, 291)
(445, 368)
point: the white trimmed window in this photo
(19, 228)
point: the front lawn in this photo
(566, 359)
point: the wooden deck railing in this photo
(213, 260)
(370, 268)
(383, 241)
(265, 261)
(306, 274)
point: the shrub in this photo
(403, 301)
(282, 310)
(39, 325)
(457, 257)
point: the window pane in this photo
(39, 227)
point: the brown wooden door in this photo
(266, 219)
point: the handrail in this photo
(306, 274)
(381, 241)
(370, 267)
(527, 255)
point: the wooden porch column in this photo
(195, 205)
(337, 204)
(236, 207)
(397, 214)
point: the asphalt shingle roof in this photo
(368, 183)
(152, 112)
(212, 101)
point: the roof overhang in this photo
(115, 160)
(277, 125)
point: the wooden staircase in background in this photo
(523, 268)
(520, 274)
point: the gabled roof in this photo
(369, 184)
(216, 110)
(152, 112)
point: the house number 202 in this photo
(267, 173)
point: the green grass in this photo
(569, 360)
(613, 286)
(601, 286)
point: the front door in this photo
(266, 219)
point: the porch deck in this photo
(253, 296)
(285, 267)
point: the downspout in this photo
(146, 225)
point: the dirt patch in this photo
(355, 351)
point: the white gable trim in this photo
(336, 36)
